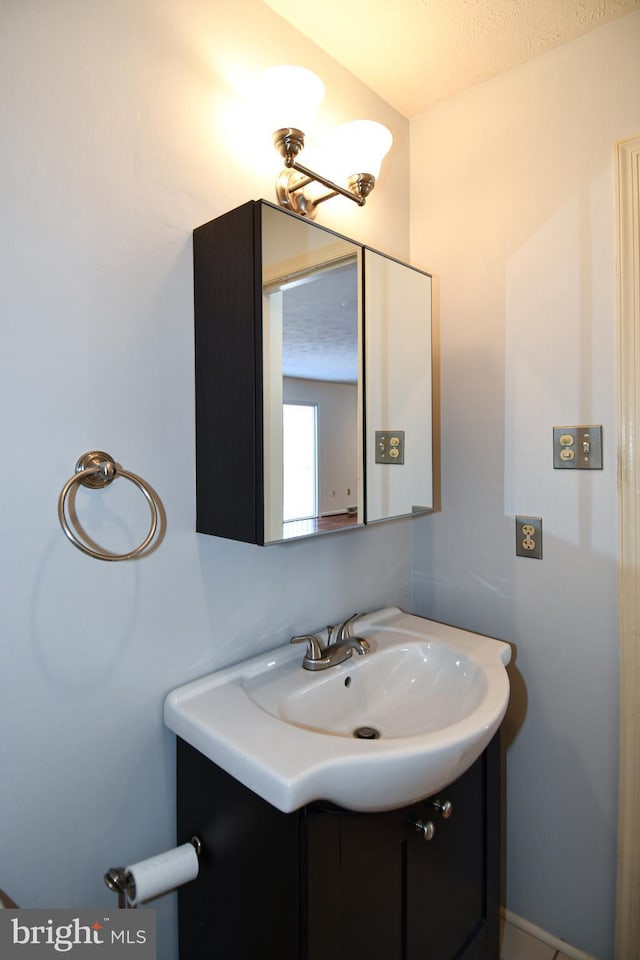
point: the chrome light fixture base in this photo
(289, 142)
(361, 184)
(294, 178)
(290, 194)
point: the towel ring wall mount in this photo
(97, 470)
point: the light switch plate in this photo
(389, 446)
(577, 448)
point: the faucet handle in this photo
(314, 646)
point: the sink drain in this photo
(366, 733)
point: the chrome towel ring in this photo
(97, 469)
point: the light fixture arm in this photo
(290, 186)
(329, 184)
(289, 141)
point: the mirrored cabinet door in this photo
(399, 464)
(312, 378)
(278, 339)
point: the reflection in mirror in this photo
(398, 375)
(299, 461)
(311, 351)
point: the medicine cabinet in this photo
(313, 379)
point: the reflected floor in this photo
(303, 528)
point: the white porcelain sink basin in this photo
(434, 695)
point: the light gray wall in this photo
(117, 127)
(513, 207)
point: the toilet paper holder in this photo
(120, 880)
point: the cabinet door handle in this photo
(445, 807)
(425, 827)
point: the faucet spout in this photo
(359, 644)
(344, 638)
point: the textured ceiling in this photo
(320, 327)
(414, 53)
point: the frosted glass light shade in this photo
(363, 145)
(288, 96)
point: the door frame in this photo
(628, 282)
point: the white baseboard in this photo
(545, 937)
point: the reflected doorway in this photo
(300, 461)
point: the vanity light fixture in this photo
(293, 94)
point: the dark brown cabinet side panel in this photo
(245, 903)
(493, 844)
(228, 375)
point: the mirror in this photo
(312, 379)
(399, 459)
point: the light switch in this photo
(577, 448)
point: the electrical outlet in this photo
(577, 448)
(529, 537)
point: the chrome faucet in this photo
(336, 651)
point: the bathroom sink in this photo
(375, 732)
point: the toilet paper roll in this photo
(162, 873)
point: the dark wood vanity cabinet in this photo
(323, 882)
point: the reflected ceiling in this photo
(320, 327)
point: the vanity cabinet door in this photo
(450, 908)
(354, 876)
(377, 889)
